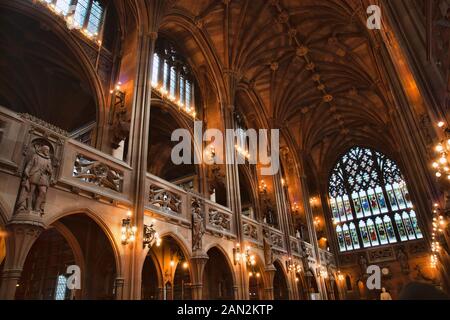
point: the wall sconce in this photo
(151, 236)
(244, 256)
(128, 231)
(322, 272)
(317, 222)
(293, 266)
(263, 187)
(295, 207)
(340, 276)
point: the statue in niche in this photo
(37, 177)
(198, 226)
(363, 264)
(403, 260)
(268, 254)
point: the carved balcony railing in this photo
(295, 246)
(326, 257)
(78, 168)
(168, 200)
(88, 171)
(276, 237)
(252, 230)
(219, 219)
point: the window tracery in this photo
(370, 202)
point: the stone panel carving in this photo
(381, 255)
(165, 200)
(219, 220)
(277, 240)
(294, 247)
(250, 231)
(98, 173)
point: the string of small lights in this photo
(438, 226)
(68, 16)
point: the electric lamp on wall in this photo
(128, 231)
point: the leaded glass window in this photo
(172, 73)
(370, 202)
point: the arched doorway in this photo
(312, 284)
(280, 288)
(255, 284)
(166, 272)
(151, 279)
(302, 287)
(72, 240)
(217, 277)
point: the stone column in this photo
(311, 229)
(232, 78)
(140, 127)
(270, 275)
(118, 287)
(198, 266)
(22, 232)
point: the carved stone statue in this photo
(36, 179)
(268, 254)
(403, 260)
(362, 264)
(198, 225)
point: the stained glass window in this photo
(370, 202)
(61, 288)
(87, 14)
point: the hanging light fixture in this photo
(243, 256)
(128, 231)
(438, 226)
(293, 266)
(441, 163)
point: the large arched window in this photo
(172, 77)
(370, 202)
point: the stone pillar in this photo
(198, 266)
(270, 275)
(118, 287)
(232, 78)
(22, 232)
(140, 128)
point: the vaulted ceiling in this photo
(308, 66)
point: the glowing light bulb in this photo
(443, 160)
(439, 148)
(441, 124)
(438, 174)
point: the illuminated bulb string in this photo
(66, 11)
(438, 227)
(441, 163)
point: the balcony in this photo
(90, 173)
